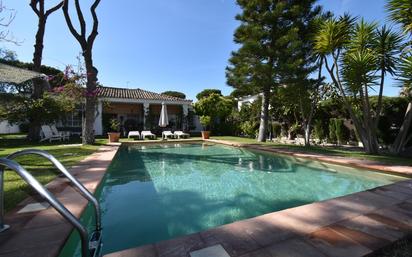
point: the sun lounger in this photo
(148, 134)
(47, 134)
(133, 134)
(167, 134)
(65, 135)
(181, 134)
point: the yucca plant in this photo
(405, 75)
(361, 54)
(400, 11)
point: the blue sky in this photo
(158, 45)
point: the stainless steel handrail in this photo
(84, 192)
(26, 176)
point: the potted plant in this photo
(205, 122)
(114, 135)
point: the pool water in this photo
(157, 192)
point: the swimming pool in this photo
(157, 192)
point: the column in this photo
(146, 108)
(98, 121)
(185, 125)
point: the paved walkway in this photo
(43, 232)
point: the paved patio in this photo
(43, 232)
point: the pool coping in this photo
(351, 225)
(44, 233)
(400, 170)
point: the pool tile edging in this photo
(324, 233)
(350, 225)
(44, 233)
(401, 170)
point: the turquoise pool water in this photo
(157, 192)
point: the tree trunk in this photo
(264, 115)
(91, 99)
(38, 84)
(401, 139)
(307, 135)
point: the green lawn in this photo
(69, 153)
(335, 151)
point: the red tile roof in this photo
(137, 93)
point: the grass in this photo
(327, 150)
(69, 153)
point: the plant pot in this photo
(113, 137)
(205, 134)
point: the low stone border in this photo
(401, 170)
(353, 225)
(44, 232)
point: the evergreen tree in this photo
(275, 48)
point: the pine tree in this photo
(275, 48)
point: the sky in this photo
(157, 45)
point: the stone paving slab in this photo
(44, 232)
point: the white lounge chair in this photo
(65, 135)
(147, 133)
(47, 134)
(133, 134)
(167, 134)
(181, 134)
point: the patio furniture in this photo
(133, 134)
(148, 134)
(47, 134)
(181, 134)
(65, 135)
(167, 134)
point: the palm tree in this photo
(358, 52)
(400, 11)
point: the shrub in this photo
(332, 131)
(318, 130)
(340, 131)
(114, 125)
(205, 121)
(249, 129)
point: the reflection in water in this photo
(158, 192)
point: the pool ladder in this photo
(90, 244)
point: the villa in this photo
(298, 140)
(136, 109)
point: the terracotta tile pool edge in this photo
(352, 225)
(47, 228)
(400, 170)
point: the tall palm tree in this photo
(400, 11)
(358, 52)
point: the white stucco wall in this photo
(246, 99)
(7, 128)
